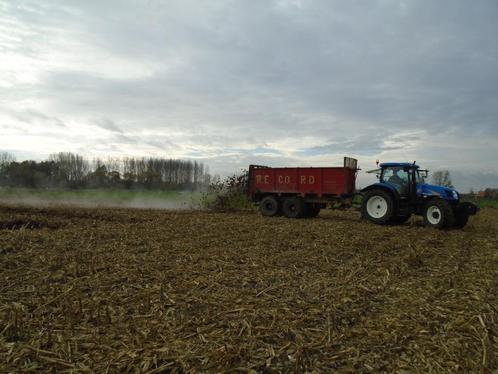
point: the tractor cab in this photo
(402, 191)
(401, 176)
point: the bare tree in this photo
(74, 171)
(72, 168)
(442, 178)
(113, 165)
(5, 159)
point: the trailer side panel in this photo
(319, 182)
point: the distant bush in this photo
(487, 203)
(482, 202)
(228, 194)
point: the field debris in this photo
(228, 195)
(144, 291)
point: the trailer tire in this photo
(293, 207)
(438, 214)
(269, 206)
(378, 207)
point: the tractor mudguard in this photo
(383, 186)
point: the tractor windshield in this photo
(420, 176)
(397, 176)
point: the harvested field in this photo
(116, 290)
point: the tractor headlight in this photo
(455, 195)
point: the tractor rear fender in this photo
(385, 187)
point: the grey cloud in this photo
(32, 117)
(163, 145)
(369, 144)
(230, 76)
(108, 125)
(121, 138)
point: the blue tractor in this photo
(402, 191)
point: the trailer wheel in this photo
(269, 206)
(438, 214)
(378, 207)
(461, 220)
(293, 207)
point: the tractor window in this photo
(420, 177)
(396, 176)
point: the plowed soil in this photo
(116, 290)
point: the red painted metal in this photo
(318, 182)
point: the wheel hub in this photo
(434, 215)
(377, 207)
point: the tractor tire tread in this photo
(448, 216)
(391, 207)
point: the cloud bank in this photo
(268, 81)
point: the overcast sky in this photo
(278, 82)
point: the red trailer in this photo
(301, 192)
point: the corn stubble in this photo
(88, 290)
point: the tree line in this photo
(69, 170)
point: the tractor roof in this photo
(399, 164)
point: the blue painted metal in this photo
(388, 186)
(446, 193)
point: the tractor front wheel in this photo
(438, 214)
(378, 207)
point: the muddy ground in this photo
(122, 290)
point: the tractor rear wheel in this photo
(378, 207)
(438, 214)
(269, 206)
(293, 207)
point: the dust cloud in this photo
(182, 202)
